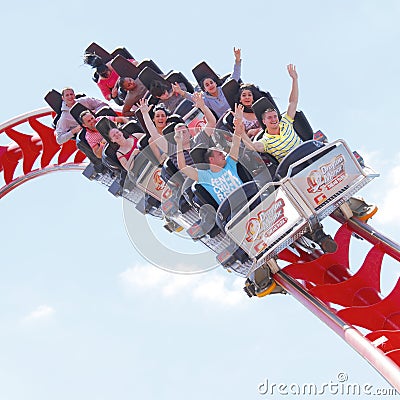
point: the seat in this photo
(106, 111)
(95, 48)
(203, 70)
(297, 154)
(84, 147)
(178, 77)
(230, 90)
(184, 107)
(150, 64)
(54, 99)
(261, 105)
(110, 159)
(300, 124)
(303, 127)
(235, 202)
(122, 51)
(147, 75)
(104, 125)
(124, 68)
(132, 127)
(76, 110)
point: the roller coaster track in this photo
(36, 153)
(343, 300)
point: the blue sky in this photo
(82, 314)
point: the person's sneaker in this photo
(327, 244)
(361, 209)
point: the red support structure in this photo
(37, 151)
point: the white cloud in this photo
(216, 291)
(40, 313)
(212, 287)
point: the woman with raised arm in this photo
(213, 95)
(247, 95)
(157, 134)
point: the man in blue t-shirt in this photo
(221, 178)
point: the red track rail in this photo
(325, 283)
(37, 153)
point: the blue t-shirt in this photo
(221, 184)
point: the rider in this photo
(279, 136)
(221, 178)
(67, 127)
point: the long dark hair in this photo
(96, 62)
(256, 92)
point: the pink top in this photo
(106, 84)
(128, 154)
(93, 137)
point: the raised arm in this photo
(159, 139)
(238, 118)
(177, 89)
(186, 169)
(238, 64)
(211, 122)
(238, 132)
(294, 94)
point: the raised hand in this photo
(238, 119)
(143, 106)
(237, 53)
(198, 100)
(178, 136)
(292, 71)
(177, 89)
(238, 113)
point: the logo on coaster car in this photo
(158, 181)
(267, 222)
(327, 176)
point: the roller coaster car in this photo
(315, 180)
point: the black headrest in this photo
(197, 154)
(109, 156)
(203, 70)
(54, 100)
(260, 106)
(122, 51)
(132, 127)
(76, 110)
(104, 125)
(178, 77)
(176, 118)
(124, 68)
(169, 132)
(147, 76)
(151, 64)
(94, 48)
(302, 126)
(230, 90)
